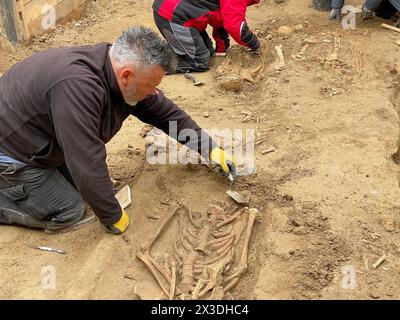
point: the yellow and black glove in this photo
(120, 226)
(225, 161)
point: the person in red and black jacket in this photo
(183, 24)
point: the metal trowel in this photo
(239, 198)
(192, 78)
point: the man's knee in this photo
(45, 195)
(67, 217)
(14, 217)
(199, 63)
(203, 61)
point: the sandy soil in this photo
(328, 196)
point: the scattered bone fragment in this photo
(280, 63)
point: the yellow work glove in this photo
(225, 161)
(120, 226)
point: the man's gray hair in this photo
(140, 46)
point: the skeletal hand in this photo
(335, 15)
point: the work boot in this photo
(10, 216)
(322, 5)
(52, 227)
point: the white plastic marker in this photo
(49, 249)
(124, 197)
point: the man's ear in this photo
(126, 74)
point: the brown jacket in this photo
(62, 105)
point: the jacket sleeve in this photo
(221, 38)
(207, 41)
(234, 19)
(337, 4)
(163, 114)
(76, 107)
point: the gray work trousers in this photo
(38, 198)
(369, 4)
(193, 48)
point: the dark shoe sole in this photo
(80, 224)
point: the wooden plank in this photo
(10, 29)
(65, 12)
(20, 20)
(36, 8)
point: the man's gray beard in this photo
(131, 103)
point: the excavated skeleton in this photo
(203, 253)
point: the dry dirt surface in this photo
(328, 196)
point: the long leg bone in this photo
(153, 271)
(171, 214)
(214, 272)
(280, 63)
(200, 284)
(228, 260)
(173, 282)
(154, 266)
(158, 267)
(241, 228)
(218, 293)
(231, 284)
(242, 267)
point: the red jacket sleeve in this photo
(234, 19)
